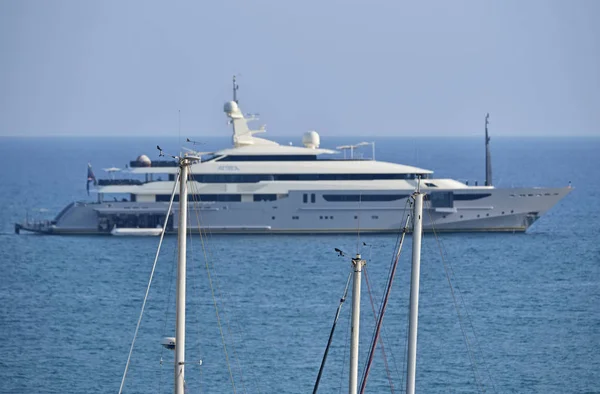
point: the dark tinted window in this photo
(363, 197)
(269, 158)
(202, 197)
(470, 197)
(253, 178)
(265, 197)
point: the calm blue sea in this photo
(528, 304)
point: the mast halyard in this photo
(181, 279)
(488, 158)
(414, 292)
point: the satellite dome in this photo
(144, 161)
(311, 139)
(231, 107)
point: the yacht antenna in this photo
(235, 88)
(488, 159)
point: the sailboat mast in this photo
(181, 276)
(414, 292)
(357, 264)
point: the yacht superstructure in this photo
(260, 186)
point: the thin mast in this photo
(488, 158)
(414, 292)
(181, 273)
(235, 88)
(357, 264)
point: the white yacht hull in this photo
(498, 210)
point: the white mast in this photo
(181, 274)
(414, 292)
(357, 264)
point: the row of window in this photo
(254, 178)
(363, 197)
(269, 158)
(532, 195)
(218, 197)
(441, 199)
(471, 197)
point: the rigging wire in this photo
(208, 234)
(139, 322)
(335, 320)
(393, 259)
(164, 329)
(218, 290)
(385, 362)
(450, 272)
(212, 290)
(383, 308)
(195, 286)
(345, 352)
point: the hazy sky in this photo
(391, 67)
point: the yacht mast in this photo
(235, 88)
(488, 158)
(181, 273)
(357, 264)
(414, 292)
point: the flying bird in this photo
(340, 252)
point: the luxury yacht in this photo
(260, 186)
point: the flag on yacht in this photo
(90, 177)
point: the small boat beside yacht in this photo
(138, 232)
(260, 186)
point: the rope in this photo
(382, 309)
(337, 315)
(393, 259)
(450, 272)
(196, 287)
(164, 330)
(385, 362)
(212, 290)
(139, 322)
(208, 234)
(346, 342)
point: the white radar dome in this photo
(144, 161)
(230, 107)
(311, 139)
